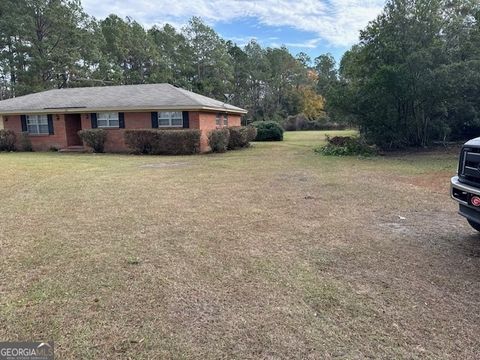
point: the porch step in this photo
(73, 149)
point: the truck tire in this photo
(474, 225)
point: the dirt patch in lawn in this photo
(163, 165)
(437, 181)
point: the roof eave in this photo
(232, 111)
(130, 109)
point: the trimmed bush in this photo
(268, 131)
(251, 133)
(240, 136)
(7, 140)
(163, 142)
(237, 138)
(346, 146)
(95, 138)
(140, 141)
(25, 142)
(218, 140)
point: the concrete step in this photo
(74, 149)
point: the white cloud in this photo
(307, 44)
(335, 21)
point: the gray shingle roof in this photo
(123, 97)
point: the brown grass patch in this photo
(437, 181)
(271, 252)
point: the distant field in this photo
(265, 253)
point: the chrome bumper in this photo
(456, 184)
(461, 192)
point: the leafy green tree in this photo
(304, 59)
(210, 59)
(12, 31)
(173, 56)
(257, 65)
(48, 44)
(407, 82)
(130, 53)
(325, 67)
(241, 76)
(53, 42)
(284, 70)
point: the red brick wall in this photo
(115, 139)
(197, 120)
(207, 122)
(234, 120)
(40, 142)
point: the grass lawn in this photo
(270, 252)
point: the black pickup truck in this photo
(465, 187)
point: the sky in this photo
(311, 26)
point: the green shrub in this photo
(240, 136)
(163, 142)
(237, 138)
(177, 142)
(25, 142)
(268, 131)
(140, 141)
(251, 133)
(7, 140)
(218, 140)
(346, 146)
(95, 138)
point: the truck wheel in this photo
(474, 225)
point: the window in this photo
(107, 120)
(170, 119)
(37, 124)
(221, 119)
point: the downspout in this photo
(1, 122)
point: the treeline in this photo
(414, 77)
(54, 44)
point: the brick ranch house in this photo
(53, 118)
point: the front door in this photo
(73, 124)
